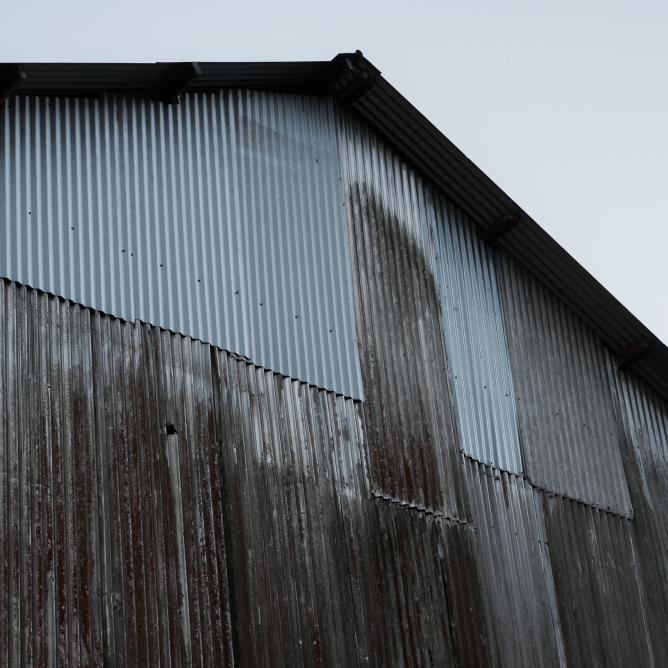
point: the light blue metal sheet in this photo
(221, 218)
(476, 341)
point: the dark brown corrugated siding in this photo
(515, 569)
(112, 549)
(288, 452)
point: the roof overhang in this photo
(362, 89)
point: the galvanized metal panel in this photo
(221, 218)
(425, 147)
(113, 548)
(570, 435)
(412, 446)
(475, 339)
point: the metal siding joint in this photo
(183, 75)
(498, 229)
(10, 79)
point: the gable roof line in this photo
(416, 139)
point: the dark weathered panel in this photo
(398, 583)
(645, 417)
(415, 586)
(568, 427)
(50, 558)
(411, 441)
(515, 570)
(289, 452)
(596, 583)
(115, 548)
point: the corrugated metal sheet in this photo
(413, 452)
(289, 453)
(645, 417)
(476, 343)
(415, 588)
(113, 547)
(221, 218)
(599, 599)
(515, 569)
(321, 574)
(570, 436)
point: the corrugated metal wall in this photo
(321, 572)
(570, 435)
(476, 343)
(112, 547)
(221, 218)
(164, 502)
(413, 452)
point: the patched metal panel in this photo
(476, 343)
(113, 546)
(412, 443)
(221, 218)
(515, 569)
(570, 435)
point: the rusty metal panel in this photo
(290, 454)
(221, 218)
(405, 611)
(475, 338)
(412, 444)
(113, 550)
(597, 586)
(515, 569)
(49, 507)
(570, 435)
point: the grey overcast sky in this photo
(564, 104)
